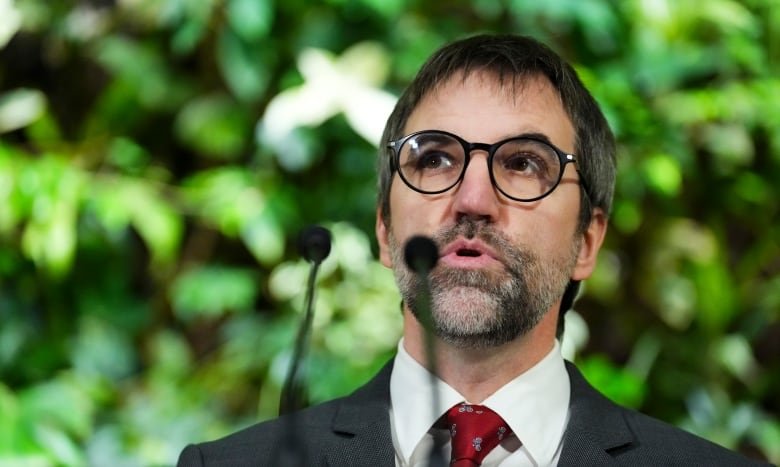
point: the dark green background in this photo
(149, 282)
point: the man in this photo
(498, 153)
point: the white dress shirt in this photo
(535, 405)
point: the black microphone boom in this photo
(314, 243)
(421, 256)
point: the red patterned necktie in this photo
(475, 431)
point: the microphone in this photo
(421, 256)
(314, 244)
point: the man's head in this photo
(505, 262)
(512, 60)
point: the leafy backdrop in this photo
(157, 158)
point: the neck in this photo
(478, 373)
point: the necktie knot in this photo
(475, 431)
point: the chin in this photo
(469, 310)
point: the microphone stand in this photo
(314, 243)
(421, 255)
(292, 398)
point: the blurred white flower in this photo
(10, 23)
(348, 84)
(20, 107)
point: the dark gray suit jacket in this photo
(355, 431)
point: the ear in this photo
(383, 239)
(592, 239)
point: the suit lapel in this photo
(596, 426)
(362, 426)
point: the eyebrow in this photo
(528, 134)
(534, 135)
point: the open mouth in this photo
(468, 252)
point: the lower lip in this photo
(468, 262)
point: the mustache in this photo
(470, 229)
(513, 257)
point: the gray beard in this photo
(477, 309)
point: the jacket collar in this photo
(596, 426)
(362, 423)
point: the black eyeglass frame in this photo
(563, 157)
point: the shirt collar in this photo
(535, 404)
(412, 410)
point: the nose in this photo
(475, 197)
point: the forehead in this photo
(480, 107)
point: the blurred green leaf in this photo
(128, 156)
(712, 415)
(251, 19)
(211, 291)
(752, 188)
(716, 299)
(677, 301)
(141, 71)
(663, 174)
(214, 126)
(617, 384)
(265, 238)
(120, 202)
(735, 354)
(44, 405)
(231, 200)
(627, 216)
(50, 235)
(10, 433)
(244, 64)
(10, 215)
(171, 356)
(103, 350)
(731, 145)
(767, 434)
(60, 447)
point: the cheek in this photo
(550, 232)
(409, 214)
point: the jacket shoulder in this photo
(358, 421)
(671, 445)
(601, 432)
(263, 443)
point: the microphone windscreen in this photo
(314, 243)
(421, 254)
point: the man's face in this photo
(503, 264)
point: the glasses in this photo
(522, 168)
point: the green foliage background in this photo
(158, 156)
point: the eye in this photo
(432, 160)
(525, 158)
(524, 163)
